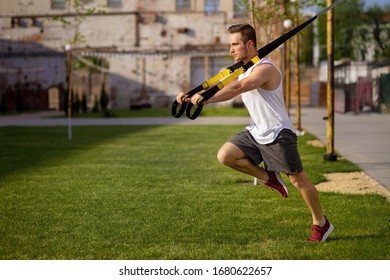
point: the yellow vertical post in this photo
(330, 154)
(297, 74)
(287, 76)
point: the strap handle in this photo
(184, 104)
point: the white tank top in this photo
(267, 110)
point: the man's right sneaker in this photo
(275, 182)
(320, 234)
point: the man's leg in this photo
(232, 156)
(321, 227)
(310, 195)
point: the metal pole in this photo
(330, 154)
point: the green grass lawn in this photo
(208, 111)
(158, 192)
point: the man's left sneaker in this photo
(320, 234)
(275, 182)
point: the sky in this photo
(373, 2)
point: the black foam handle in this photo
(197, 111)
(181, 110)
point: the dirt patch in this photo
(352, 183)
(315, 143)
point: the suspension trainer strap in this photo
(212, 91)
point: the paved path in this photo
(363, 139)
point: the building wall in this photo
(148, 44)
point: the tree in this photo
(104, 99)
(358, 31)
(84, 103)
(348, 17)
(267, 17)
(74, 22)
(375, 19)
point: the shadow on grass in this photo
(25, 147)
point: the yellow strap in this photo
(255, 59)
(216, 78)
(235, 74)
(227, 73)
(230, 78)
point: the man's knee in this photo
(224, 156)
(301, 181)
(229, 153)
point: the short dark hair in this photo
(246, 30)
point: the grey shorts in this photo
(281, 155)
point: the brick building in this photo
(152, 49)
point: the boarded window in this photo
(211, 6)
(114, 3)
(183, 5)
(58, 4)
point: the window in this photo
(114, 3)
(211, 6)
(58, 4)
(239, 8)
(183, 5)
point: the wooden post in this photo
(330, 154)
(287, 75)
(297, 74)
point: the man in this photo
(270, 138)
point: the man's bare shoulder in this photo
(269, 73)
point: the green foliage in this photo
(353, 31)
(375, 17)
(95, 108)
(147, 192)
(84, 103)
(104, 98)
(271, 13)
(76, 104)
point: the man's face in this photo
(237, 47)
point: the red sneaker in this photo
(320, 234)
(275, 182)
